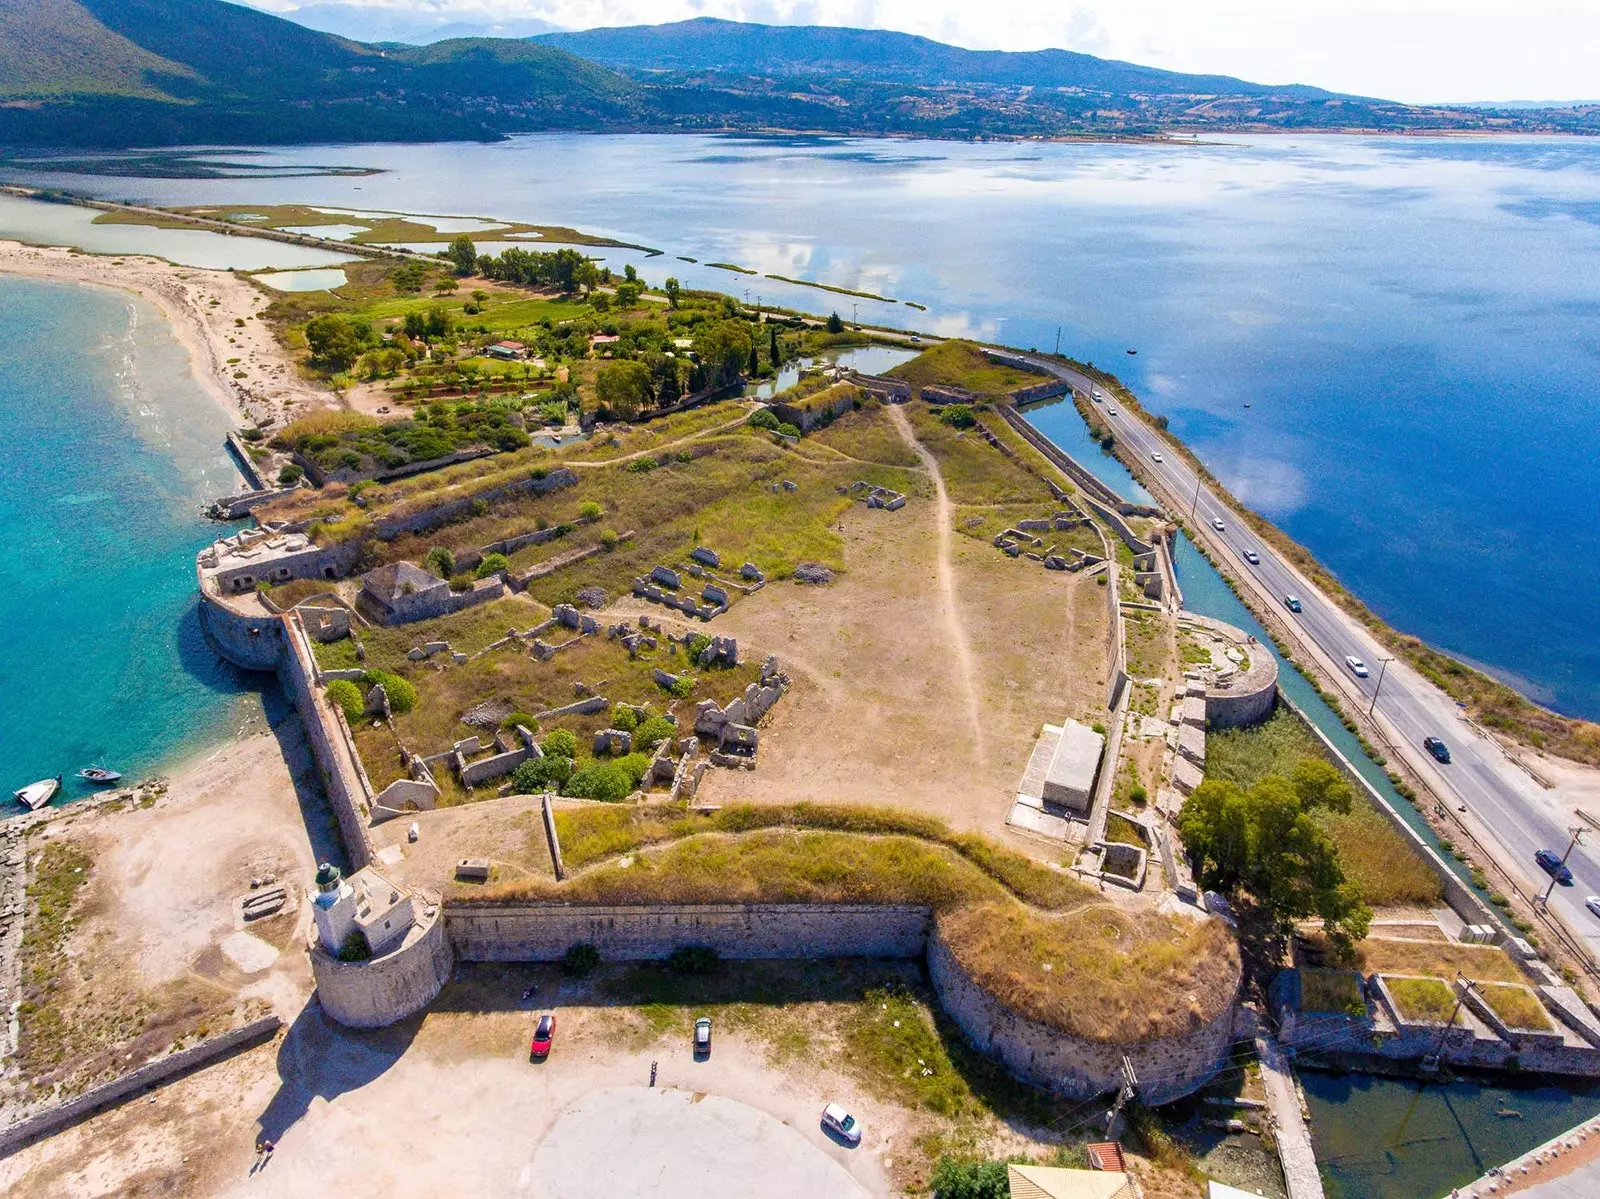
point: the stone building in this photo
(1074, 767)
(367, 902)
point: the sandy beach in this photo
(214, 314)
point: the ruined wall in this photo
(544, 932)
(1168, 1067)
(448, 511)
(250, 642)
(391, 987)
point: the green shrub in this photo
(624, 717)
(461, 582)
(492, 564)
(608, 539)
(290, 475)
(958, 416)
(580, 960)
(957, 1178)
(440, 561)
(788, 430)
(402, 695)
(540, 774)
(526, 719)
(355, 947)
(348, 696)
(682, 689)
(604, 781)
(693, 959)
(590, 510)
(653, 732)
(697, 645)
(560, 744)
(763, 419)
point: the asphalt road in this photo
(1508, 804)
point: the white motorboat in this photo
(99, 774)
(35, 795)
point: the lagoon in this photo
(1411, 320)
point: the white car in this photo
(1593, 904)
(1252, 557)
(1216, 523)
(1157, 458)
(1111, 411)
(1098, 394)
(836, 1120)
(1356, 665)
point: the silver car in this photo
(841, 1123)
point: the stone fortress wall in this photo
(390, 986)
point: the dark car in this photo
(1550, 862)
(543, 1034)
(1437, 748)
(702, 1036)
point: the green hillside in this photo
(59, 48)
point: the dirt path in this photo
(954, 628)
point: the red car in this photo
(543, 1034)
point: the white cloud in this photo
(1413, 50)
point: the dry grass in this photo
(1422, 999)
(589, 834)
(1331, 991)
(975, 472)
(865, 435)
(962, 364)
(1478, 962)
(1374, 856)
(1516, 1006)
(1101, 972)
(1093, 970)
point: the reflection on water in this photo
(1386, 1138)
(316, 280)
(869, 360)
(70, 225)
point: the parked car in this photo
(1216, 523)
(1437, 748)
(543, 1034)
(1550, 862)
(1252, 557)
(1593, 904)
(840, 1122)
(702, 1036)
(1357, 666)
(1292, 602)
(1157, 458)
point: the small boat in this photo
(1133, 351)
(99, 774)
(35, 795)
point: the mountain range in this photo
(122, 73)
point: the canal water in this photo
(1375, 1138)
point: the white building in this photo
(367, 902)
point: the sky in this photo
(1418, 51)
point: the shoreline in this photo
(215, 316)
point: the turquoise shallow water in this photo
(108, 448)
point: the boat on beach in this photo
(99, 774)
(35, 795)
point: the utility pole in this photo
(1577, 836)
(1383, 665)
(854, 320)
(1128, 1090)
(1058, 341)
(1430, 1061)
(1193, 504)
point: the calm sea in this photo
(108, 447)
(1414, 324)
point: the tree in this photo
(336, 341)
(623, 387)
(673, 289)
(628, 273)
(586, 276)
(628, 294)
(440, 561)
(445, 286)
(438, 323)
(772, 346)
(1265, 843)
(835, 325)
(724, 348)
(956, 1178)
(755, 358)
(463, 254)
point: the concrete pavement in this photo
(1483, 787)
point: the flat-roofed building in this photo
(1070, 778)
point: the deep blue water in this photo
(1415, 322)
(108, 446)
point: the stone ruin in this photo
(1024, 533)
(875, 497)
(812, 572)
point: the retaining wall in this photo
(1168, 1067)
(251, 642)
(387, 988)
(388, 528)
(54, 1119)
(544, 932)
